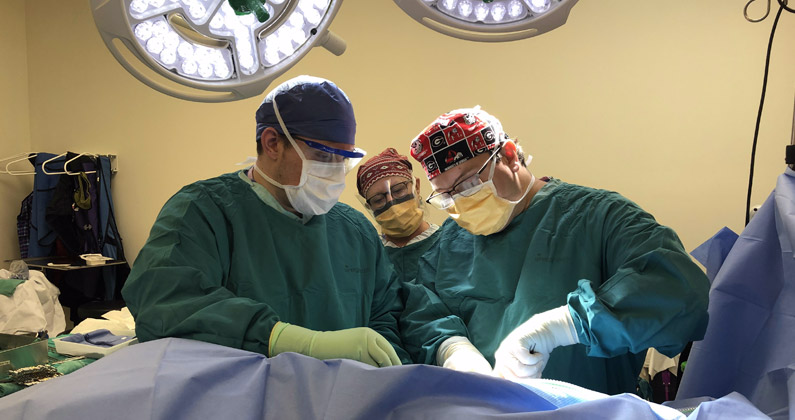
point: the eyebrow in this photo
(378, 193)
(389, 187)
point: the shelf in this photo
(74, 264)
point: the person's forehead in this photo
(384, 184)
(450, 177)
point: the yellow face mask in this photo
(401, 219)
(483, 212)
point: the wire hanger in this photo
(66, 165)
(19, 157)
(44, 165)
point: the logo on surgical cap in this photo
(456, 154)
(480, 142)
(437, 142)
(488, 133)
(430, 164)
(453, 156)
(454, 134)
(416, 147)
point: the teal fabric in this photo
(627, 280)
(266, 196)
(222, 266)
(406, 259)
(9, 286)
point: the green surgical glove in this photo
(362, 344)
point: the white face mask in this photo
(321, 183)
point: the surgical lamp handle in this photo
(333, 43)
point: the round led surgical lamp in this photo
(489, 20)
(213, 54)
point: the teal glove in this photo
(362, 344)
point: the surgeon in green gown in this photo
(542, 278)
(391, 193)
(266, 259)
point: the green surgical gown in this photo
(406, 259)
(627, 281)
(222, 266)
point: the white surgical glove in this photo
(525, 351)
(459, 354)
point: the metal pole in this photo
(792, 141)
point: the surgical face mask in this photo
(319, 189)
(321, 183)
(481, 211)
(400, 219)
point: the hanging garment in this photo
(107, 232)
(748, 346)
(42, 236)
(70, 212)
(110, 241)
(80, 212)
(23, 225)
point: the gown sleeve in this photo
(426, 321)
(653, 294)
(176, 286)
(387, 305)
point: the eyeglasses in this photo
(378, 202)
(322, 153)
(444, 199)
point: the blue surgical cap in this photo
(310, 107)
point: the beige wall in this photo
(14, 122)
(658, 103)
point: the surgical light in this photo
(211, 53)
(489, 20)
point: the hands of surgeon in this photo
(362, 344)
(459, 354)
(525, 351)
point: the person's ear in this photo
(272, 145)
(417, 185)
(510, 155)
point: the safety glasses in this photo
(322, 153)
(466, 187)
(379, 203)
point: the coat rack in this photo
(26, 156)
